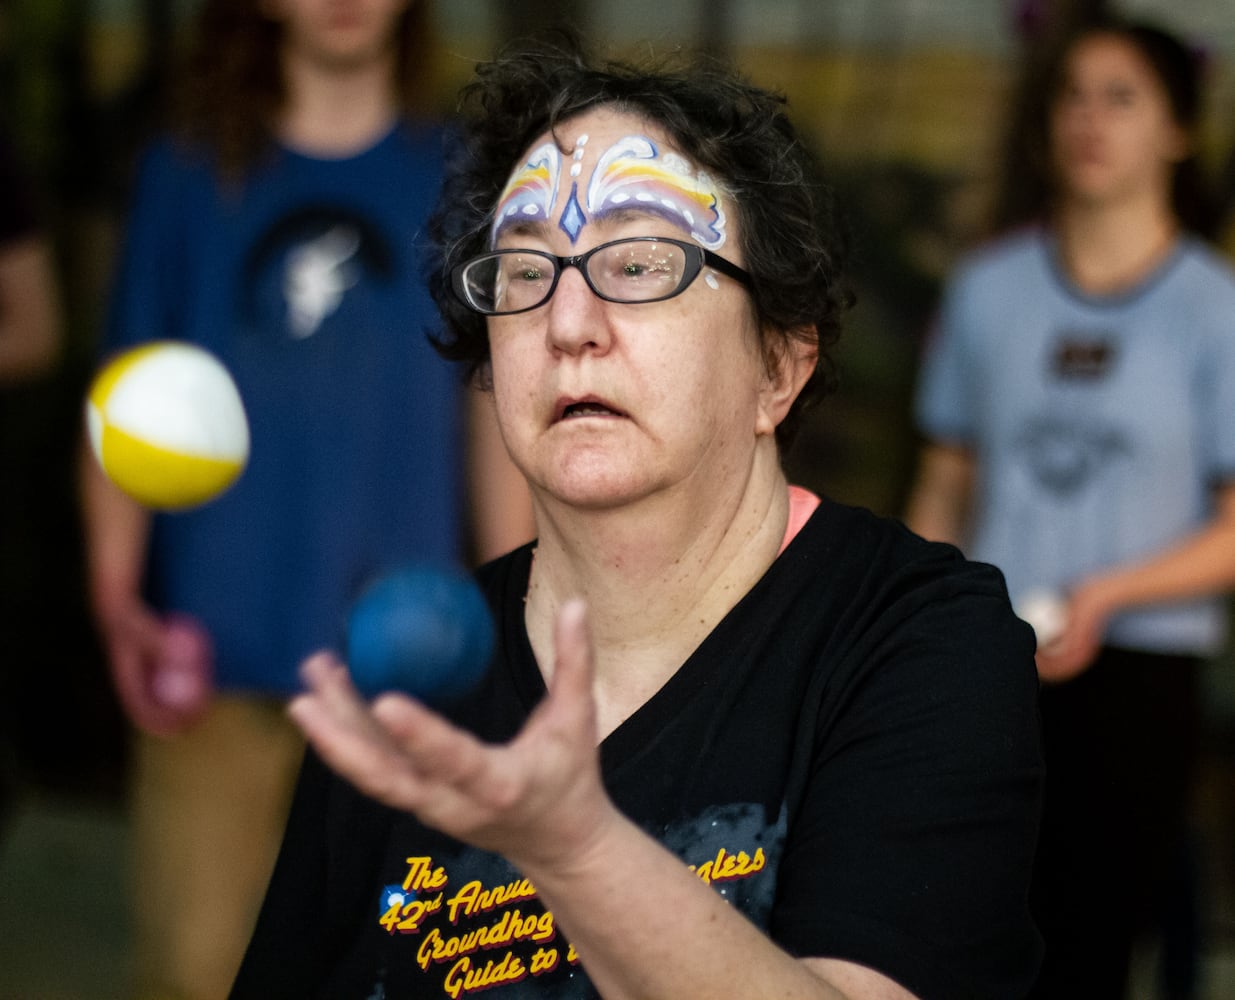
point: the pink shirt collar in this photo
(802, 504)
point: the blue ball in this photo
(423, 630)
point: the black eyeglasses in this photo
(639, 269)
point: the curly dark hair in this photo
(791, 238)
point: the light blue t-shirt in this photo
(1100, 424)
(307, 279)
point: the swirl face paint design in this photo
(531, 191)
(630, 174)
(633, 174)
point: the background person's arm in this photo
(117, 531)
(1199, 564)
(940, 501)
(30, 313)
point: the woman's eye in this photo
(646, 268)
(525, 273)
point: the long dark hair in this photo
(1027, 188)
(231, 89)
(792, 241)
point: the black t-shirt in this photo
(851, 758)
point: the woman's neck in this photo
(1109, 249)
(335, 112)
(656, 580)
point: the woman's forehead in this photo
(1106, 53)
(605, 162)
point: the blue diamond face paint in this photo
(572, 219)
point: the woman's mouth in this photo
(572, 409)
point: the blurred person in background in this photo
(1078, 400)
(279, 224)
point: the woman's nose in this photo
(577, 319)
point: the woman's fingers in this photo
(437, 749)
(568, 713)
(336, 720)
(504, 798)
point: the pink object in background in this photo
(183, 679)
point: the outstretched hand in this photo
(536, 800)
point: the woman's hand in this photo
(537, 801)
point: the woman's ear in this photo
(789, 361)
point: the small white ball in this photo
(1046, 612)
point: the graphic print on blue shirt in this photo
(1068, 446)
(301, 268)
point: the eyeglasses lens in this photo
(509, 282)
(637, 270)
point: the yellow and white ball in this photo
(167, 425)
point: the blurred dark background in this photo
(907, 102)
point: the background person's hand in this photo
(1077, 646)
(160, 668)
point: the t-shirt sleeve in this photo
(1215, 385)
(944, 401)
(912, 846)
(148, 286)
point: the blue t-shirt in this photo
(307, 279)
(1099, 424)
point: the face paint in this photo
(576, 167)
(633, 174)
(573, 219)
(531, 190)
